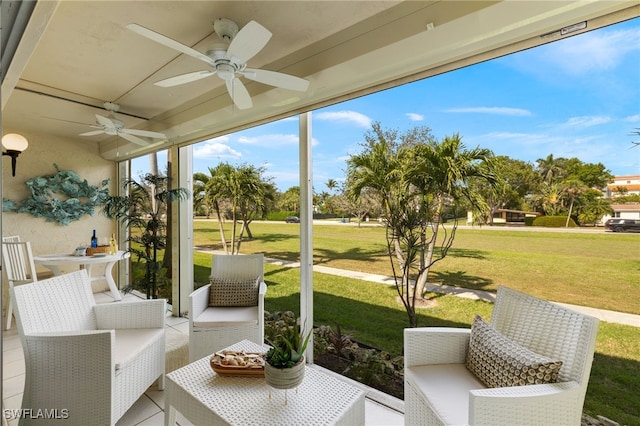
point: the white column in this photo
(183, 233)
(306, 230)
(123, 171)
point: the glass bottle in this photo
(113, 245)
(94, 240)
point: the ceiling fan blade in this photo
(249, 41)
(95, 132)
(239, 93)
(145, 133)
(166, 41)
(133, 139)
(104, 121)
(276, 79)
(183, 78)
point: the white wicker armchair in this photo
(89, 361)
(215, 328)
(440, 390)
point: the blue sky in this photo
(578, 97)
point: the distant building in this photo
(631, 185)
(506, 217)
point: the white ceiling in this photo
(75, 55)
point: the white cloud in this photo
(270, 140)
(415, 117)
(215, 148)
(586, 121)
(632, 118)
(345, 117)
(589, 53)
(516, 112)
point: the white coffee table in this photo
(205, 398)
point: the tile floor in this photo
(148, 410)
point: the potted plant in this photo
(142, 210)
(284, 361)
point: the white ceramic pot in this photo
(284, 378)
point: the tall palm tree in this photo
(441, 172)
(214, 187)
(572, 188)
(550, 169)
(331, 184)
(377, 167)
(246, 193)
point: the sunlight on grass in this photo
(572, 268)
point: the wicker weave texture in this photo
(206, 398)
(70, 362)
(205, 341)
(543, 327)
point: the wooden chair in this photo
(19, 267)
(212, 328)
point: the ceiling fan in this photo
(228, 59)
(114, 127)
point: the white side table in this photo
(55, 261)
(204, 397)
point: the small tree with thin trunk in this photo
(418, 180)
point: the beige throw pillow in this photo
(234, 292)
(499, 362)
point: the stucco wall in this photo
(38, 160)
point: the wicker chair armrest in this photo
(72, 370)
(143, 314)
(198, 301)
(547, 404)
(435, 345)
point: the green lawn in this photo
(572, 268)
(600, 270)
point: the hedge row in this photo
(553, 222)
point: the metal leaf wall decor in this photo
(62, 197)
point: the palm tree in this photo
(331, 184)
(572, 188)
(246, 193)
(200, 201)
(415, 180)
(441, 172)
(550, 169)
(213, 188)
(142, 209)
(550, 197)
(377, 168)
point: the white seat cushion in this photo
(446, 387)
(132, 341)
(227, 316)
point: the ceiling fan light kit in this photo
(228, 59)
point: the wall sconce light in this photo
(14, 145)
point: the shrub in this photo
(280, 216)
(553, 222)
(337, 352)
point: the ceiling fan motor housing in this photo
(225, 28)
